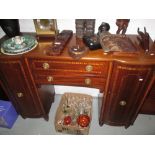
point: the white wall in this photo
(26, 25)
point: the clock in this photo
(46, 27)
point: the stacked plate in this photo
(18, 45)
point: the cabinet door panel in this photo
(126, 88)
(149, 104)
(124, 97)
(14, 77)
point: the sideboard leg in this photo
(23, 116)
(126, 126)
(101, 123)
(46, 117)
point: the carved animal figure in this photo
(122, 25)
(143, 39)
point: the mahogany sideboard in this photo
(127, 81)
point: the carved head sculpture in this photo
(103, 27)
(122, 25)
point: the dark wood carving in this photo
(122, 25)
(59, 43)
(143, 39)
(112, 42)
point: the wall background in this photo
(27, 25)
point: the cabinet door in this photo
(3, 95)
(16, 83)
(125, 93)
(149, 104)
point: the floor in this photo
(144, 124)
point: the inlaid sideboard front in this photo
(126, 81)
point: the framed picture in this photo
(46, 27)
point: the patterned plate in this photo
(18, 44)
(18, 53)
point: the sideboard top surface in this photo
(139, 57)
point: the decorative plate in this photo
(18, 53)
(19, 44)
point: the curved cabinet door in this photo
(15, 82)
(149, 104)
(126, 90)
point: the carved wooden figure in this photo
(122, 25)
(143, 39)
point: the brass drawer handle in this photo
(122, 103)
(89, 68)
(46, 65)
(20, 94)
(49, 78)
(87, 81)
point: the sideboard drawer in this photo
(95, 68)
(71, 80)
